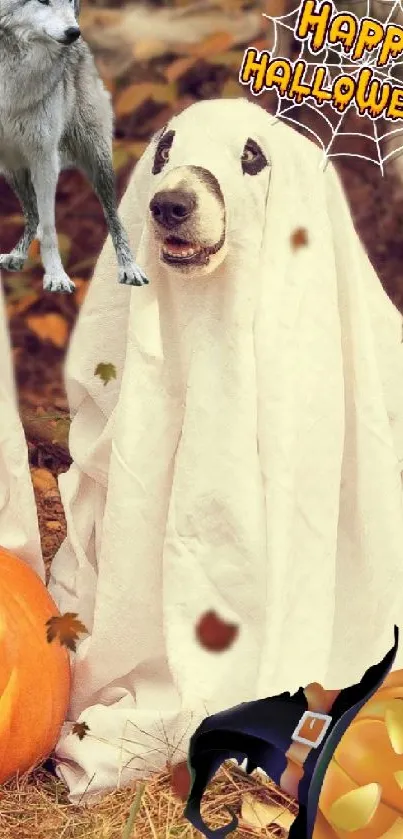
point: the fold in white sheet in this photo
(246, 460)
(18, 519)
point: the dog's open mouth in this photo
(177, 251)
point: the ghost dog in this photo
(54, 112)
(242, 462)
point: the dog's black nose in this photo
(71, 34)
(172, 206)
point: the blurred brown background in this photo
(155, 60)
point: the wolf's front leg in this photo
(93, 157)
(45, 173)
(21, 184)
(101, 173)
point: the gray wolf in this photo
(54, 113)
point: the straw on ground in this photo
(37, 807)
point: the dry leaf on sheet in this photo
(214, 634)
(81, 729)
(299, 238)
(66, 628)
(106, 372)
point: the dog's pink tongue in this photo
(180, 247)
(177, 247)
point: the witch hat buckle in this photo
(311, 723)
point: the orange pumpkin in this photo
(34, 674)
(362, 794)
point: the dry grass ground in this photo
(36, 807)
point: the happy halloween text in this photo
(317, 25)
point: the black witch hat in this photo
(275, 732)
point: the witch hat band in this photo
(292, 738)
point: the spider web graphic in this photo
(383, 141)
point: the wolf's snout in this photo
(71, 34)
(172, 207)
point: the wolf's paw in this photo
(58, 282)
(131, 274)
(13, 261)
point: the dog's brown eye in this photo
(162, 154)
(253, 160)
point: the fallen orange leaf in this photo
(133, 96)
(43, 480)
(179, 67)
(148, 48)
(50, 327)
(180, 780)
(54, 526)
(82, 287)
(110, 85)
(260, 44)
(219, 42)
(20, 306)
(34, 249)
